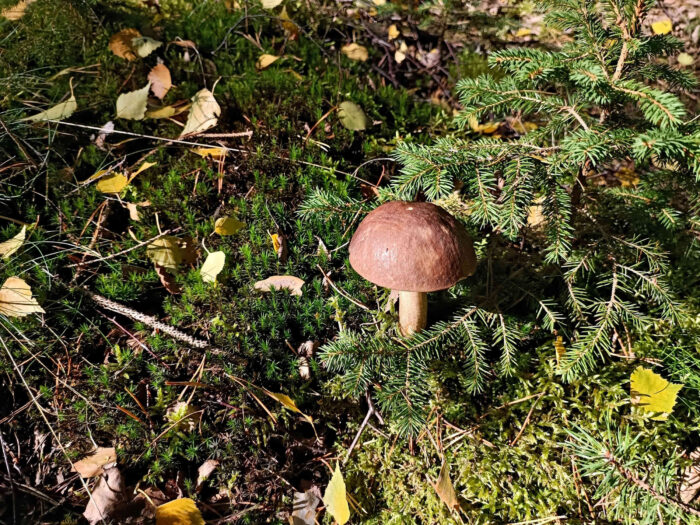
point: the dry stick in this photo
(527, 420)
(344, 294)
(139, 245)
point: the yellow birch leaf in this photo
(57, 112)
(270, 4)
(393, 32)
(276, 244)
(214, 153)
(523, 31)
(266, 61)
(559, 348)
(132, 105)
(143, 167)
(355, 52)
(652, 392)
(335, 498)
(352, 116)
(181, 511)
(91, 466)
(165, 251)
(10, 246)
(400, 54)
(16, 11)
(281, 282)
(212, 266)
(684, 59)
(144, 45)
(167, 111)
(204, 113)
(16, 299)
(662, 27)
(288, 402)
(228, 226)
(444, 488)
(112, 183)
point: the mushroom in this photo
(412, 248)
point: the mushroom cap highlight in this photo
(412, 247)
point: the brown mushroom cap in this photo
(413, 247)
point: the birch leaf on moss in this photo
(165, 252)
(16, 299)
(335, 498)
(228, 226)
(58, 112)
(11, 245)
(204, 113)
(281, 282)
(351, 116)
(160, 79)
(444, 488)
(132, 105)
(652, 392)
(144, 45)
(212, 266)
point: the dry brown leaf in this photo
(690, 485)
(185, 43)
(107, 497)
(304, 506)
(443, 487)
(16, 299)
(167, 280)
(120, 44)
(281, 282)
(93, 465)
(160, 79)
(16, 11)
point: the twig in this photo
(527, 420)
(344, 294)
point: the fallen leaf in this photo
(400, 53)
(204, 113)
(102, 135)
(16, 11)
(121, 43)
(690, 486)
(355, 52)
(289, 403)
(351, 116)
(559, 348)
(132, 105)
(144, 166)
(16, 299)
(181, 511)
(653, 393)
(212, 266)
(165, 252)
(684, 59)
(270, 4)
(281, 282)
(112, 183)
(304, 507)
(205, 470)
(160, 80)
(445, 490)
(430, 59)
(93, 465)
(106, 497)
(523, 31)
(279, 244)
(185, 43)
(662, 26)
(13, 244)
(214, 153)
(266, 60)
(167, 111)
(167, 280)
(288, 24)
(144, 45)
(183, 416)
(335, 498)
(228, 226)
(57, 112)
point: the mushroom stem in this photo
(413, 311)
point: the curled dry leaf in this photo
(204, 113)
(10, 246)
(121, 43)
(181, 511)
(16, 11)
(281, 282)
(160, 80)
(335, 498)
(167, 280)
(355, 52)
(690, 485)
(132, 105)
(16, 299)
(444, 488)
(107, 497)
(93, 465)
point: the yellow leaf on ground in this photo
(393, 32)
(214, 153)
(352, 116)
(167, 111)
(444, 488)
(276, 244)
(266, 60)
(112, 183)
(281, 282)
(143, 167)
(289, 403)
(559, 348)
(121, 43)
(212, 266)
(132, 105)
(355, 52)
(662, 26)
(160, 80)
(335, 498)
(684, 59)
(57, 112)
(91, 466)
(652, 392)
(181, 511)
(270, 4)
(228, 225)
(144, 45)
(16, 11)
(400, 54)
(523, 31)
(165, 251)
(13, 244)
(16, 299)
(204, 113)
